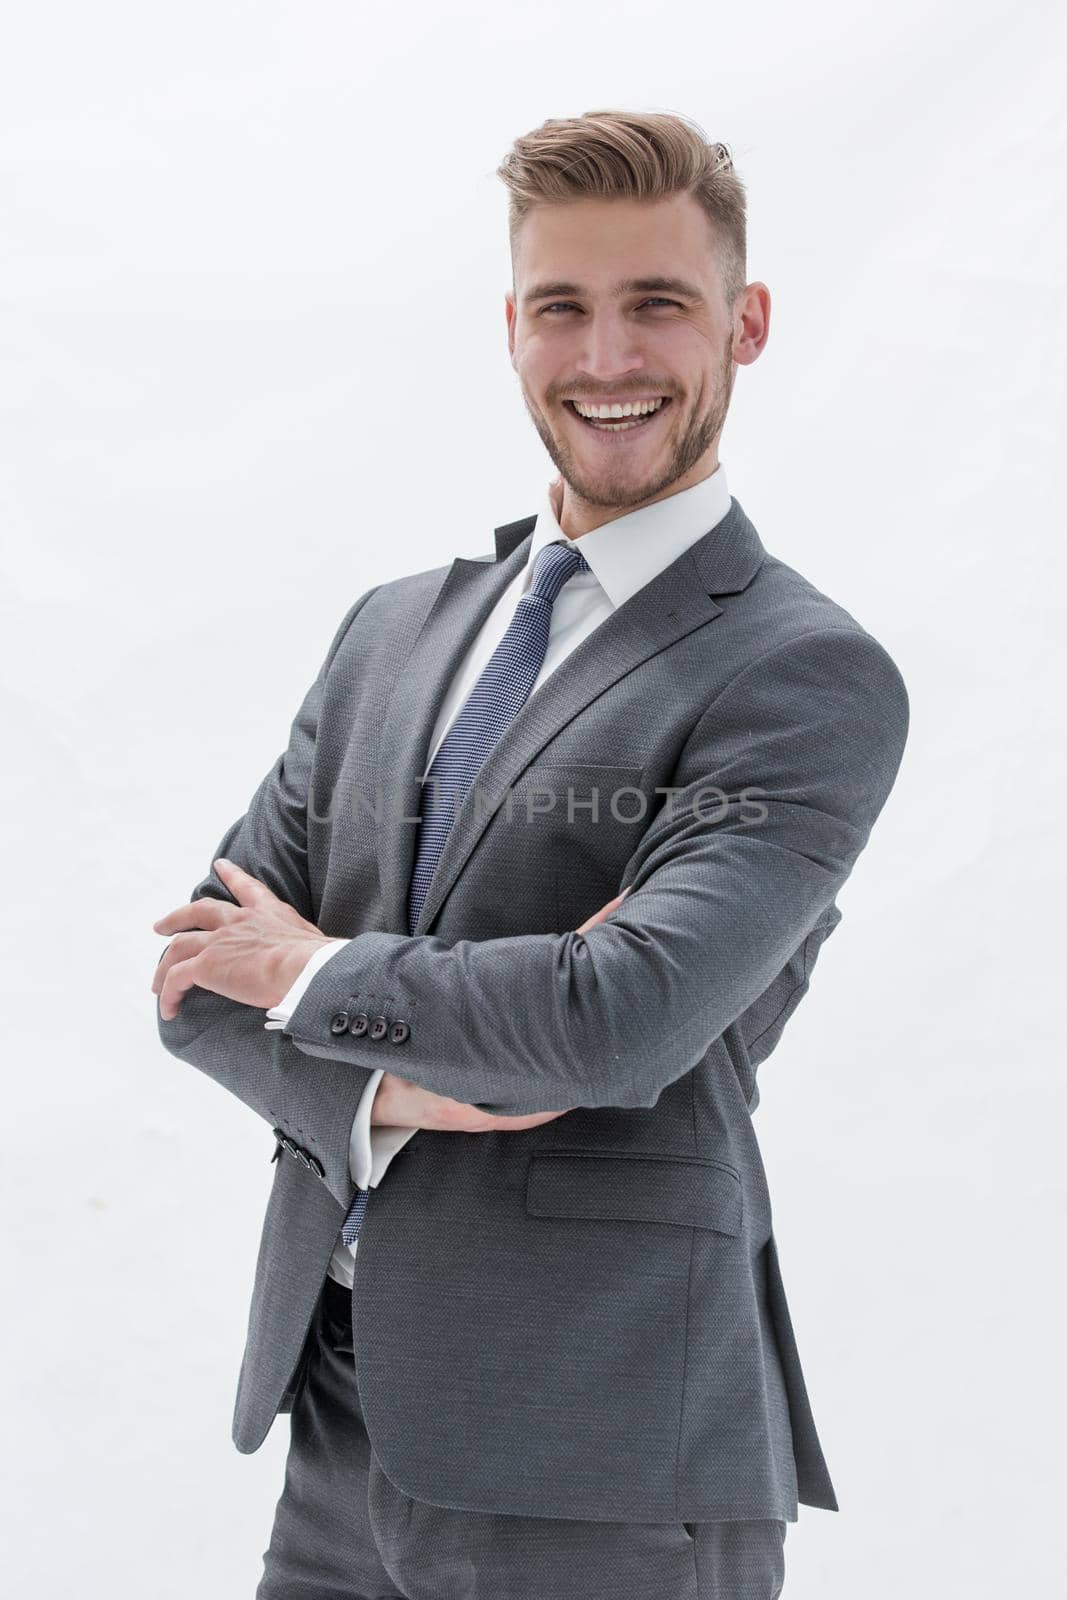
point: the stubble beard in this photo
(615, 488)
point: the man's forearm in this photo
(264, 1069)
(270, 1075)
(593, 1044)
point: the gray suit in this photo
(586, 1319)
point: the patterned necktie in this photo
(489, 710)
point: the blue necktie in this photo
(489, 710)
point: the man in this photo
(559, 1361)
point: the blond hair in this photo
(629, 155)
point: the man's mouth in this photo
(623, 418)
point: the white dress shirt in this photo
(623, 556)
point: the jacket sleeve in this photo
(227, 1040)
(775, 793)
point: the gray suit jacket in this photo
(586, 1319)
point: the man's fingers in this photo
(206, 912)
(210, 912)
(246, 889)
(604, 912)
(181, 948)
(176, 985)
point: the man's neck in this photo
(575, 518)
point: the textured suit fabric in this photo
(491, 707)
(623, 554)
(342, 1529)
(586, 1320)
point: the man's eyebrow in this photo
(556, 287)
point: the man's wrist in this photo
(319, 952)
(290, 962)
(379, 1109)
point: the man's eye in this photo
(568, 305)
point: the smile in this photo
(618, 419)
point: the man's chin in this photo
(614, 489)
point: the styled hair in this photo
(629, 155)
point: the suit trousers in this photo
(343, 1531)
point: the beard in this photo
(614, 485)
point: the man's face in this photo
(595, 343)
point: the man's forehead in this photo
(559, 253)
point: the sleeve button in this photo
(379, 1027)
(399, 1032)
(339, 1022)
(359, 1024)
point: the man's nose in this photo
(609, 351)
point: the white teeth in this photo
(636, 408)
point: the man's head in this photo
(628, 284)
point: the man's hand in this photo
(399, 1103)
(252, 952)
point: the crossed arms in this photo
(542, 1023)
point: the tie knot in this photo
(554, 565)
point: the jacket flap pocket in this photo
(635, 1188)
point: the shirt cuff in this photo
(279, 1015)
(385, 1142)
(370, 1150)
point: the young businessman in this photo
(518, 1282)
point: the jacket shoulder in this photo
(782, 607)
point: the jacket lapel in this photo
(677, 600)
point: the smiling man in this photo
(501, 942)
(671, 345)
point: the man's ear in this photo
(509, 312)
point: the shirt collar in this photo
(628, 552)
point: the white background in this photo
(254, 362)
